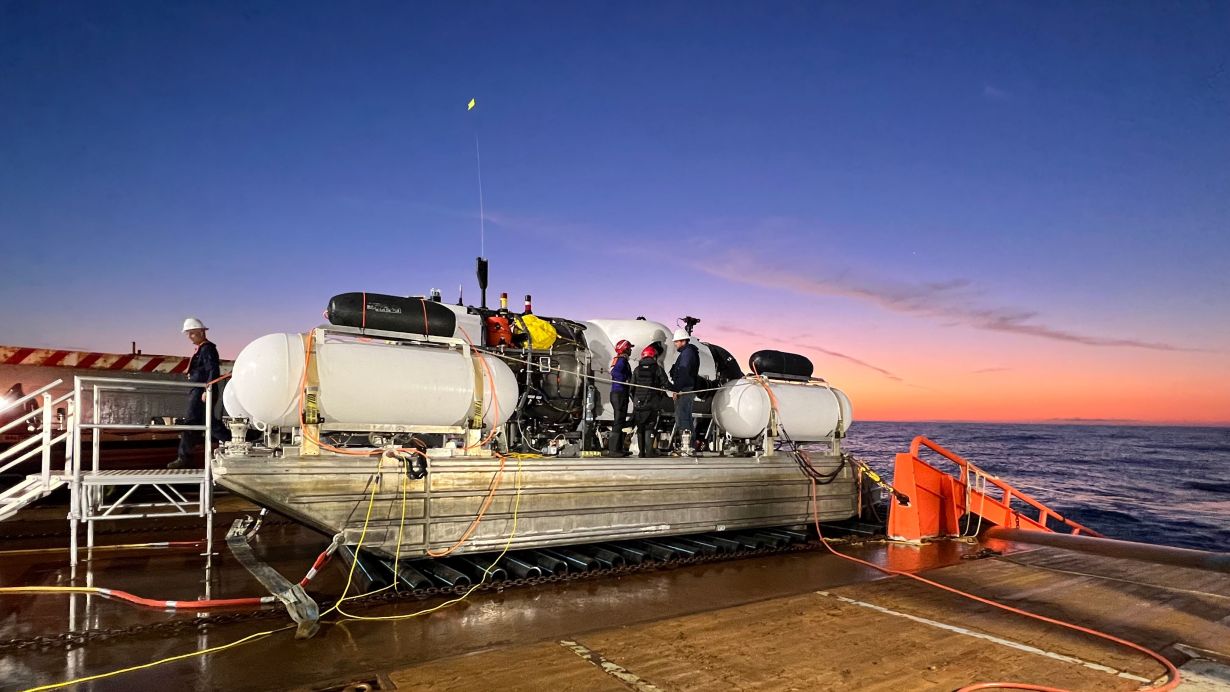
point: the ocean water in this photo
(1168, 485)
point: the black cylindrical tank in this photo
(780, 363)
(416, 315)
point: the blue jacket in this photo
(205, 365)
(620, 372)
(686, 369)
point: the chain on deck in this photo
(72, 640)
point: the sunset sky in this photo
(1008, 211)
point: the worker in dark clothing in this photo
(621, 372)
(684, 374)
(204, 367)
(648, 384)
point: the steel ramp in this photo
(32, 489)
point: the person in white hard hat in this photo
(684, 374)
(204, 367)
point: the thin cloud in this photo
(854, 360)
(949, 301)
(811, 347)
(952, 302)
(987, 371)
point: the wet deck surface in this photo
(749, 624)
(888, 635)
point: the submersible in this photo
(422, 409)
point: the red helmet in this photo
(649, 352)
(624, 346)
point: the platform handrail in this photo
(82, 504)
(1009, 492)
(29, 397)
(33, 412)
(43, 440)
(943, 497)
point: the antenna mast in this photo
(481, 268)
(482, 216)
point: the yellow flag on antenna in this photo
(471, 106)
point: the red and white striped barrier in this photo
(126, 362)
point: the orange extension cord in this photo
(495, 481)
(1171, 671)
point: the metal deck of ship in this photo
(805, 620)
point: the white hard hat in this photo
(193, 323)
(681, 335)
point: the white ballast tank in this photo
(807, 411)
(230, 402)
(366, 383)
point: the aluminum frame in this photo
(88, 488)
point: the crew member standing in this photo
(621, 372)
(204, 367)
(684, 373)
(648, 384)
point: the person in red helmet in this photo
(621, 372)
(648, 383)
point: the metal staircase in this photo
(98, 494)
(34, 414)
(25, 492)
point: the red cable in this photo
(188, 605)
(1171, 671)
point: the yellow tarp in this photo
(542, 333)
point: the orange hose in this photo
(495, 482)
(216, 380)
(1010, 686)
(125, 596)
(1171, 671)
(495, 398)
(189, 605)
(499, 476)
(482, 511)
(307, 356)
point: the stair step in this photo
(13, 499)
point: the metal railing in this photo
(44, 439)
(88, 503)
(938, 499)
(1007, 493)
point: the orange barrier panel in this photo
(939, 500)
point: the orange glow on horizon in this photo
(1023, 382)
(930, 374)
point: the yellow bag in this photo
(542, 333)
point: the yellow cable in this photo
(400, 532)
(121, 546)
(51, 589)
(260, 635)
(464, 596)
(401, 528)
(371, 501)
(169, 659)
